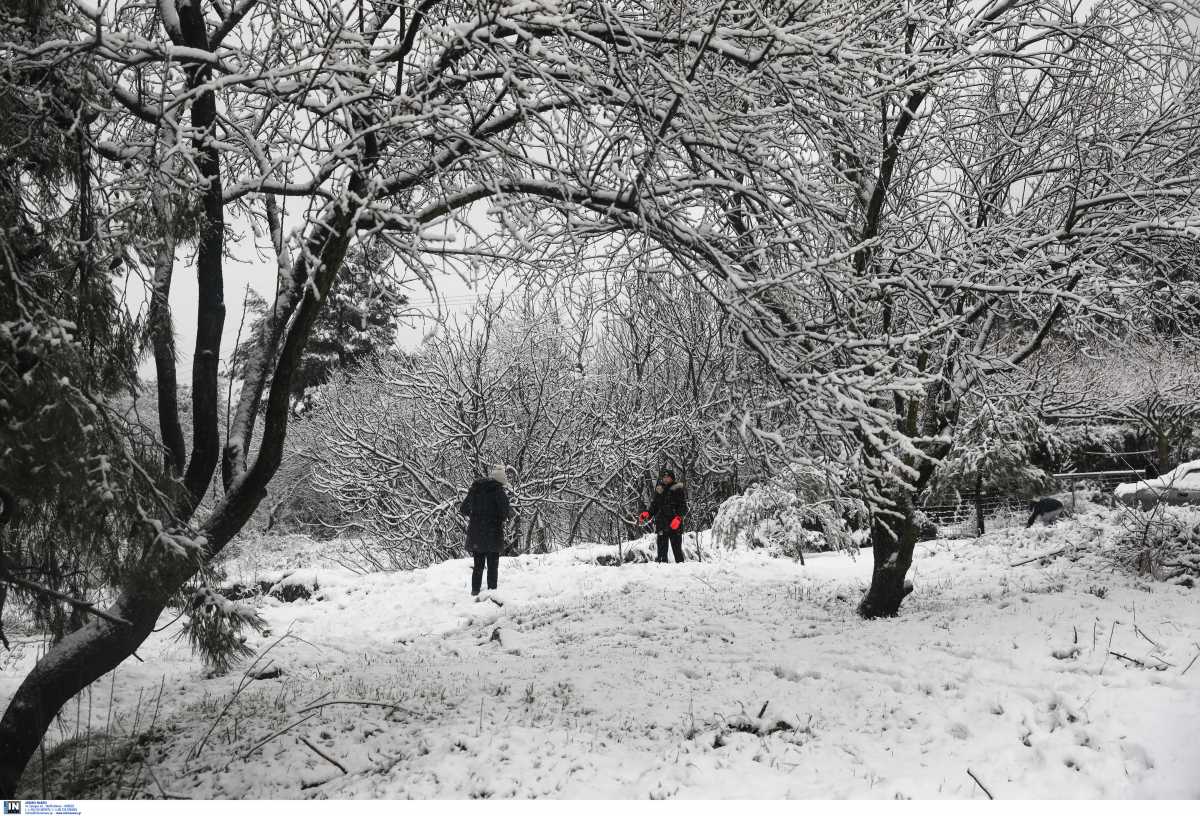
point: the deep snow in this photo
(648, 679)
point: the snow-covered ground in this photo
(648, 680)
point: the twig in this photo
(318, 699)
(1039, 558)
(1108, 647)
(278, 733)
(1145, 636)
(149, 732)
(157, 784)
(245, 681)
(1130, 659)
(1189, 665)
(379, 703)
(982, 787)
(763, 710)
(323, 755)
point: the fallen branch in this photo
(982, 787)
(1189, 665)
(1040, 557)
(763, 710)
(324, 755)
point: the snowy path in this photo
(628, 682)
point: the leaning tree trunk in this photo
(84, 656)
(89, 653)
(892, 545)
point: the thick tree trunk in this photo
(1162, 450)
(89, 653)
(77, 660)
(892, 555)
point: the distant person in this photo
(486, 507)
(668, 508)
(1045, 510)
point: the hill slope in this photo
(649, 680)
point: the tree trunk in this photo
(1162, 446)
(82, 658)
(87, 654)
(892, 556)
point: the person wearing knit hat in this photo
(486, 508)
(668, 508)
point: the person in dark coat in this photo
(668, 508)
(486, 507)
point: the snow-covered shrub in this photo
(1164, 543)
(927, 529)
(992, 455)
(1075, 446)
(771, 516)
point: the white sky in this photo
(246, 265)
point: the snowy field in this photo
(744, 676)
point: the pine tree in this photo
(67, 346)
(357, 323)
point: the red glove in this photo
(645, 515)
(675, 522)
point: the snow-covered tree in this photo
(795, 511)
(1148, 386)
(359, 322)
(580, 433)
(889, 201)
(73, 471)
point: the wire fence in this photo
(961, 519)
(1104, 481)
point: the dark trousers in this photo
(493, 565)
(676, 539)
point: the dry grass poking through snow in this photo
(745, 677)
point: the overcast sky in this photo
(248, 266)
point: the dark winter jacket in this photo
(487, 507)
(668, 502)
